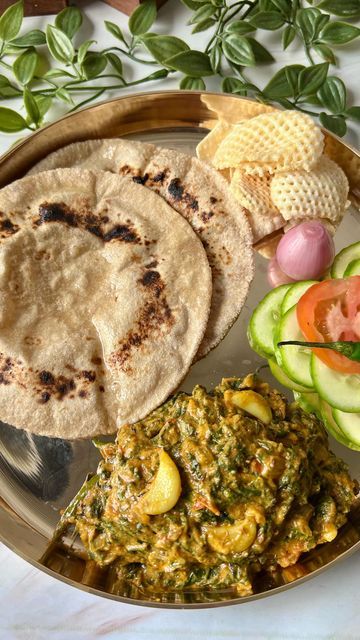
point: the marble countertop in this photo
(37, 607)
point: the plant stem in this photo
(130, 55)
(90, 99)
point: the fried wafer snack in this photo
(253, 192)
(321, 193)
(208, 146)
(272, 142)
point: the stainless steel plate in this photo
(38, 475)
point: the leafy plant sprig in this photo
(83, 73)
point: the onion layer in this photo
(306, 251)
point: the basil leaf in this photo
(238, 49)
(93, 65)
(142, 17)
(203, 25)
(312, 78)
(270, 20)
(59, 44)
(25, 65)
(31, 107)
(279, 85)
(203, 12)
(333, 95)
(354, 113)
(115, 62)
(30, 39)
(241, 27)
(83, 49)
(164, 47)
(260, 53)
(115, 31)
(342, 8)
(10, 23)
(233, 85)
(339, 33)
(306, 20)
(195, 64)
(7, 90)
(288, 36)
(324, 52)
(336, 124)
(69, 21)
(64, 95)
(44, 103)
(215, 58)
(192, 84)
(11, 121)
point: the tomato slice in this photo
(330, 311)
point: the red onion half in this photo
(306, 251)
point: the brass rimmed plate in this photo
(38, 475)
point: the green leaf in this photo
(270, 20)
(164, 47)
(115, 62)
(7, 90)
(241, 27)
(283, 6)
(203, 25)
(342, 8)
(292, 74)
(142, 17)
(30, 39)
(238, 49)
(192, 84)
(354, 113)
(279, 85)
(336, 124)
(312, 78)
(83, 49)
(260, 53)
(288, 36)
(25, 65)
(215, 58)
(325, 53)
(333, 95)
(306, 20)
(31, 107)
(320, 23)
(192, 63)
(93, 65)
(44, 103)
(339, 33)
(10, 23)
(191, 4)
(115, 31)
(11, 121)
(57, 73)
(233, 85)
(64, 95)
(69, 21)
(203, 12)
(59, 44)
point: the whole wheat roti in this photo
(99, 318)
(197, 192)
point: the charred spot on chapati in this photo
(7, 228)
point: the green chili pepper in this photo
(348, 349)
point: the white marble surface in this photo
(35, 606)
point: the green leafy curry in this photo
(254, 496)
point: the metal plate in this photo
(38, 475)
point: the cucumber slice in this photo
(349, 424)
(343, 259)
(294, 360)
(340, 390)
(294, 294)
(353, 269)
(264, 321)
(310, 402)
(281, 377)
(332, 427)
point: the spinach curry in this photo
(254, 494)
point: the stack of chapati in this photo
(107, 293)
